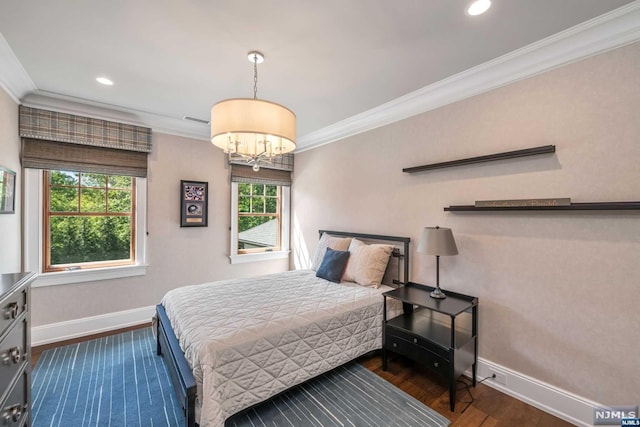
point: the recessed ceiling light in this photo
(478, 7)
(105, 81)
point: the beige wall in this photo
(558, 291)
(10, 244)
(176, 256)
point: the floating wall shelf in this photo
(545, 149)
(594, 206)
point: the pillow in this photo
(367, 263)
(327, 241)
(333, 265)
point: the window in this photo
(260, 221)
(89, 220)
(258, 217)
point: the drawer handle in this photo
(415, 340)
(11, 311)
(395, 345)
(12, 413)
(436, 364)
(12, 355)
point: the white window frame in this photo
(285, 221)
(34, 235)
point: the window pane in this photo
(119, 181)
(272, 205)
(93, 200)
(244, 189)
(258, 205)
(89, 239)
(257, 232)
(63, 199)
(272, 190)
(63, 178)
(119, 201)
(244, 204)
(93, 180)
(258, 190)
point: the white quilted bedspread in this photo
(249, 339)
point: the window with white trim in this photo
(35, 246)
(260, 209)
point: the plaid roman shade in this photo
(276, 173)
(53, 140)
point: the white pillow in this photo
(367, 263)
(327, 241)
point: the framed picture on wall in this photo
(7, 191)
(194, 200)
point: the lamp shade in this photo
(252, 127)
(437, 241)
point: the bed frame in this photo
(184, 384)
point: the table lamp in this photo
(437, 241)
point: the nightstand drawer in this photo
(415, 352)
(423, 342)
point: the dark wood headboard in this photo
(402, 252)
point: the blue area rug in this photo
(120, 381)
(113, 381)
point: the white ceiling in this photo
(326, 60)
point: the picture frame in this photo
(7, 191)
(194, 203)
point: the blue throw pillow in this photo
(333, 265)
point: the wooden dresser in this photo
(15, 349)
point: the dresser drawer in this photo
(14, 410)
(13, 353)
(11, 308)
(391, 331)
(417, 353)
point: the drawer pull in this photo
(395, 345)
(12, 413)
(11, 311)
(436, 364)
(12, 355)
(415, 340)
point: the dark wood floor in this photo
(490, 408)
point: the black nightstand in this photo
(441, 334)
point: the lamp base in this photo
(438, 294)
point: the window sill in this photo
(92, 275)
(262, 256)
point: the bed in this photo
(231, 344)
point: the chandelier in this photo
(253, 130)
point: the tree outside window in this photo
(88, 220)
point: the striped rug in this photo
(119, 381)
(114, 381)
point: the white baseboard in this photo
(561, 403)
(61, 331)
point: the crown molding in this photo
(609, 31)
(13, 77)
